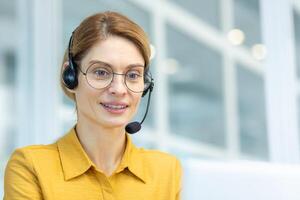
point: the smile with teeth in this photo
(117, 107)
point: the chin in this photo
(114, 123)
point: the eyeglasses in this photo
(100, 76)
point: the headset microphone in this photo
(134, 127)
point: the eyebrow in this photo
(109, 65)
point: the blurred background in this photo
(227, 84)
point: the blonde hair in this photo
(97, 28)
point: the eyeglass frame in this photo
(145, 74)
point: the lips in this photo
(115, 107)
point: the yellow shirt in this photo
(64, 171)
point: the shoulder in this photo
(161, 162)
(21, 172)
(157, 156)
(30, 162)
(162, 169)
(34, 151)
(26, 157)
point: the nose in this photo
(117, 85)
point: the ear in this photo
(66, 64)
(71, 91)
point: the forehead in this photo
(117, 51)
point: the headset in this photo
(70, 73)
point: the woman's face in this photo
(114, 105)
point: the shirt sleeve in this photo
(20, 181)
(178, 171)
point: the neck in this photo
(105, 146)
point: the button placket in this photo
(105, 186)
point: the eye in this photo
(100, 73)
(133, 75)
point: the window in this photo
(253, 133)
(207, 11)
(196, 94)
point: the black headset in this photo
(70, 73)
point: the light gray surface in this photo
(240, 181)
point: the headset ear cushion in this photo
(70, 78)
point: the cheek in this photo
(85, 94)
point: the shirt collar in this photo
(133, 160)
(73, 157)
(76, 162)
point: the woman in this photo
(105, 72)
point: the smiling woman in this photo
(105, 71)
